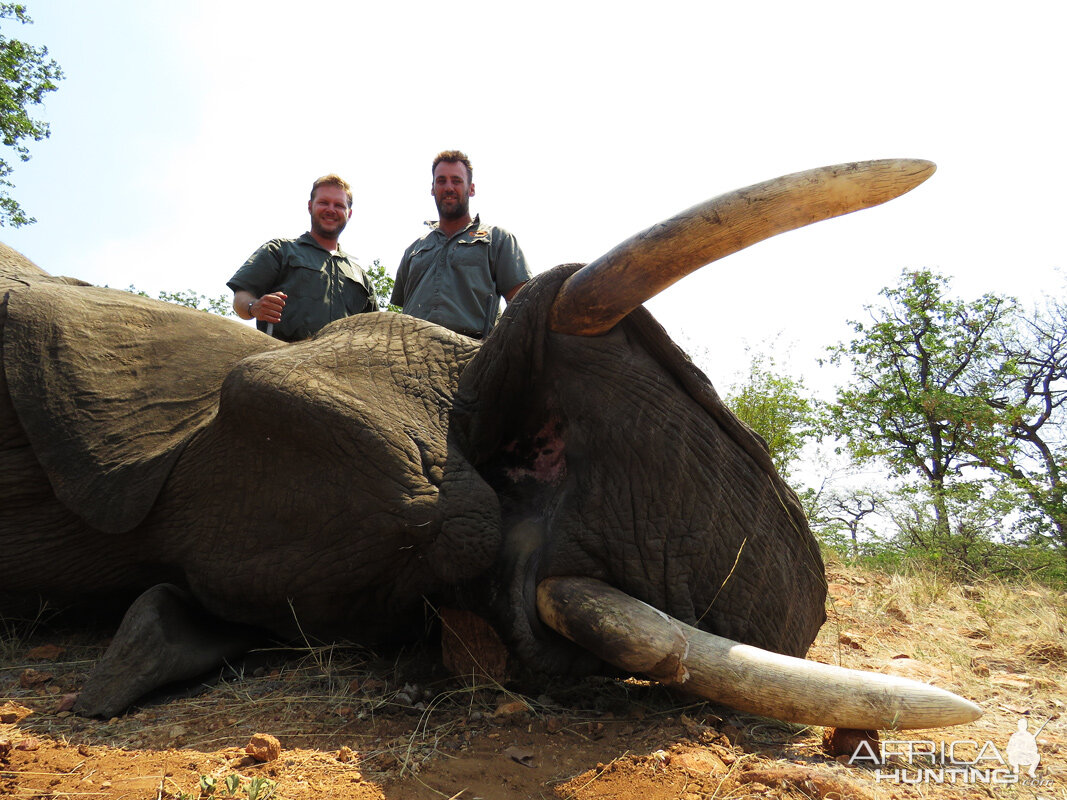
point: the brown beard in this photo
(462, 209)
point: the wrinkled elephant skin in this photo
(339, 481)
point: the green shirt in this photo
(455, 280)
(321, 287)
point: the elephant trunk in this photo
(638, 638)
(595, 298)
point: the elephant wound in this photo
(540, 457)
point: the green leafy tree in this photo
(220, 305)
(775, 406)
(383, 286)
(977, 543)
(1029, 402)
(845, 511)
(28, 75)
(922, 368)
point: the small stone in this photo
(508, 709)
(263, 747)
(844, 741)
(849, 640)
(555, 724)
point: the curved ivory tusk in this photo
(636, 637)
(600, 294)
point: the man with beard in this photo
(293, 287)
(456, 273)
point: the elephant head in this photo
(335, 483)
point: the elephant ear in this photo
(109, 387)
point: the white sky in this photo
(187, 133)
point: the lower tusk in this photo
(636, 637)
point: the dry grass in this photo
(351, 717)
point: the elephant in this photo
(331, 486)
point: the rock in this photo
(11, 713)
(698, 761)
(916, 670)
(896, 613)
(45, 652)
(810, 781)
(844, 741)
(849, 640)
(507, 709)
(1045, 652)
(176, 733)
(31, 678)
(5, 747)
(1021, 682)
(471, 646)
(263, 747)
(520, 755)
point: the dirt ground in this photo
(355, 725)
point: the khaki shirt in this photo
(321, 287)
(455, 281)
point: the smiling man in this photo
(293, 287)
(456, 274)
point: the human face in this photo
(329, 211)
(452, 190)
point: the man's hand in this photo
(269, 307)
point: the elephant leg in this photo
(164, 637)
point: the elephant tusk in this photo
(604, 291)
(636, 637)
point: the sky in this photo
(188, 133)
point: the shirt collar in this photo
(474, 223)
(307, 238)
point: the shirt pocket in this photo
(309, 279)
(471, 253)
(419, 263)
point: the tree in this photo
(215, 305)
(28, 75)
(1030, 406)
(922, 369)
(774, 405)
(221, 305)
(848, 509)
(383, 286)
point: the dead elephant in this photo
(338, 481)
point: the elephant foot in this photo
(164, 637)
